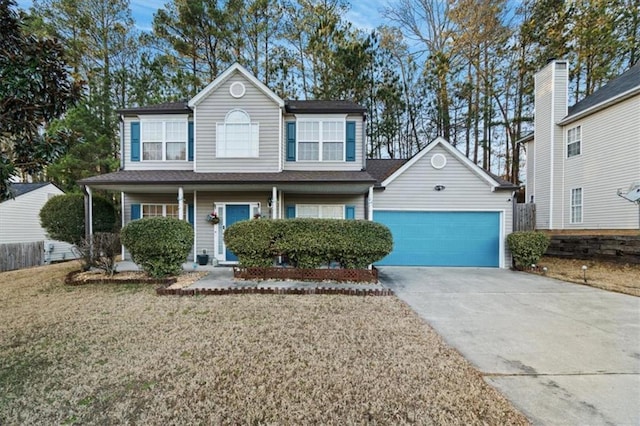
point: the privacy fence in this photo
(524, 217)
(21, 255)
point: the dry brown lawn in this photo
(119, 354)
(621, 278)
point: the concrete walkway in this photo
(562, 353)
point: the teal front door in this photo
(234, 213)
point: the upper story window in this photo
(321, 140)
(576, 205)
(574, 137)
(237, 137)
(163, 140)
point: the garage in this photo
(442, 238)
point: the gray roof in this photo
(323, 107)
(627, 81)
(128, 177)
(163, 108)
(19, 189)
(380, 169)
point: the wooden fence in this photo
(524, 217)
(21, 255)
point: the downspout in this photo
(274, 202)
(88, 217)
(180, 203)
(121, 142)
(370, 204)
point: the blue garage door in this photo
(442, 238)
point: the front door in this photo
(235, 213)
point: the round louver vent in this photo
(438, 161)
(237, 89)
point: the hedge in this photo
(527, 247)
(309, 243)
(158, 244)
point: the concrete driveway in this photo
(562, 353)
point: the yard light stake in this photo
(584, 273)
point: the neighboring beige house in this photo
(581, 157)
(20, 219)
(238, 151)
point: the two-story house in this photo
(238, 150)
(581, 157)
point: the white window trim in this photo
(572, 206)
(320, 206)
(165, 119)
(320, 119)
(164, 208)
(220, 248)
(255, 150)
(578, 141)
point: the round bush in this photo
(63, 217)
(158, 244)
(527, 247)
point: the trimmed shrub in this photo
(309, 243)
(158, 244)
(527, 247)
(63, 217)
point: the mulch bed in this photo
(82, 277)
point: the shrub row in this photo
(309, 243)
(527, 247)
(159, 244)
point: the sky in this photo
(364, 14)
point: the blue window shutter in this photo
(350, 212)
(351, 141)
(135, 141)
(190, 142)
(135, 211)
(291, 212)
(291, 141)
(190, 213)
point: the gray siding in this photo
(609, 160)
(358, 201)
(358, 164)
(214, 108)
(464, 191)
(147, 165)
(530, 166)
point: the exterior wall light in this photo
(438, 188)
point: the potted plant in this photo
(203, 258)
(213, 218)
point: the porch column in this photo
(180, 203)
(88, 212)
(370, 204)
(274, 203)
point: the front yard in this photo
(121, 354)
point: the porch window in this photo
(574, 136)
(320, 211)
(162, 210)
(321, 139)
(237, 137)
(163, 140)
(576, 205)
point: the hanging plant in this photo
(213, 218)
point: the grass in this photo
(621, 278)
(101, 354)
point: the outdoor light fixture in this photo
(270, 202)
(438, 188)
(584, 273)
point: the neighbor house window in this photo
(574, 136)
(321, 139)
(320, 211)
(237, 137)
(576, 205)
(160, 210)
(163, 140)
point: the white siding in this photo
(214, 108)
(530, 165)
(358, 164)
(609, 160)
(147, 165)
(464, 191)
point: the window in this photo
(321, 140)
(165, 210)
(320, 211)
(163, 140)
(576, 205)
(574, 136)
(237, 136)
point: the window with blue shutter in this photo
(135, 211)
(135, 141)
(291, 212)
(350, 212)
(291, 141)
(190, 142)
(351, 141)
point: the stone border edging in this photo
(165, 291)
